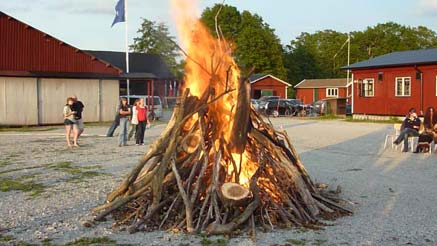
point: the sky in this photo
(86, 24)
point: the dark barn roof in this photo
(139, 63)
(322, 83)
(396, 59)
(258, 77)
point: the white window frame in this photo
(403, 87)
(332, 92)
(364, 84)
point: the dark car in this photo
(320, 107)
(279, 107)
(300, 108)
(262, 101)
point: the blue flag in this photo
(119, 13)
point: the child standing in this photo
(142, 121)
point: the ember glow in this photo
(211, 66)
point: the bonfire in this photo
(218, 167)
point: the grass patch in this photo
(77, 174)
(318, 242)
(219, 242)
(328, 117)
(26, 129)
(92, 241)
(5, 162)
(106, 123)
(391, 120)
(296, 242)
(22, 184)
(6, 238)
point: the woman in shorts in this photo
(69, 122)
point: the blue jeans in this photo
(407, 132)
(123, 131)
(114, 125)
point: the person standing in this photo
(115, 123)
(134, 120)
(124, 113)
(142, 121)
(410, 128)
(69, 122)
(430, 128)
(78, 108)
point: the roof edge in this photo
(269, 75)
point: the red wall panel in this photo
(385, 102)
(307, 94)
(269, 83)
(23, 48)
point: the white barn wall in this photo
(54, 93)
(110, 99)
(18, 101)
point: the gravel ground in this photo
(394, 194)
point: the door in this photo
(256, 94)
(315, 94)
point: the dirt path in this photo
(47, 189)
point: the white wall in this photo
(18, 101)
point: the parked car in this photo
(157, 111)
(264, 99)
(255, 104)
(320, 107)
(299, 107)
(279, 107)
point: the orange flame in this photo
(210, 66)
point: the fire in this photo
(208, 66)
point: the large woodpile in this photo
(193, 180)
(218, 167)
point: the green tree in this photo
(229, 20)
(319, 54)
(155, 38)
(256, 42)
(389, 37)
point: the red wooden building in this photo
(38, 72)
(311, 90)
(267, 85)
(389, 85)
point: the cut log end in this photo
(234, 191)
(191, 143)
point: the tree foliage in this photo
(155, 38)
(314, 55)
(256, 42)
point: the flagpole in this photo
(348, 71)
(127, 49)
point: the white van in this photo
(157, 104)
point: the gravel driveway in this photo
(48, 190)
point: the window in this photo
(368, 88)
(403, 86)
(331, 92)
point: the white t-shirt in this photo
(134, 120)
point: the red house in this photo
(390, 84)
(311, 90)
(267, 85)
